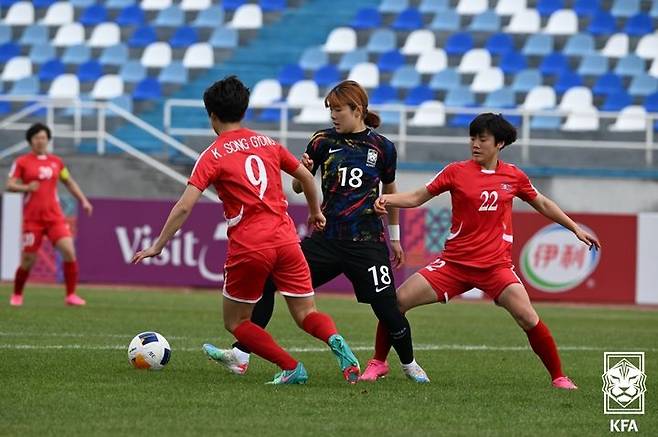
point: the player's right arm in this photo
(14, 183)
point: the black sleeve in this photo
(316, 150)
(390, 164)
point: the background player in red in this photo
(477, 253)
(36, 174)
(245, 169)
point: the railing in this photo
(403, 138)
(77, 132)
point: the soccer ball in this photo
(149, 350)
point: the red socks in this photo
(382, 342)
(544, 346)
(71, 276)
(262, 344)
(319, 325)
(20, 279)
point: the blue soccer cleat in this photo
(297, 375)
(348, 363)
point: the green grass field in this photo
(64, 371)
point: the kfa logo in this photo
(371, 160)
(624, 385)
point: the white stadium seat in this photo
(313, 113)
(155, 5)
(472, 7)
(105, 35)
(631, 118)
(58, 14)
(616, 46)
(562, 22)
(195, 5)
(20, 14)
(265, 92)
(199, 55)
(69, 35)
(487, 80)
(524, 21)
(584, 119)
(653, 71)
(576, 98)
(17, 68)
(65, 86)
(247, 16)
(429, 114)
(432, 61)
(510, 7)
(340, 40)
(540, 97)
(107, 87)
(475, 60)
(419, 42)
(366, 73)
(303, 92)
(647, 47)
(156, 55)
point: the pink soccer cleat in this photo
(74, 300)
(16, 300)
(374, 370)
(564, 383)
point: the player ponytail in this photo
(496, 125)
(350, 93)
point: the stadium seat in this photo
(247, 16)
(405, 77)
(408, 20)
(499, 44)
(651, 102)
(107, 87)
(350, 59)
(340, 40)
(303, 92)
(524, 21)
(654, 9)
(630, 65)
(174, 73)
(290, 74)
(647, 47)
(390, 61)
(93, 15)
(366, 73)
(147, 89)
(393, 6)
(625, 8)
(313, 113)
(28, 86)
(429, 114)
(580, 44)
(69, 35)
(224, 38)
(90, 71)
(58, 14)
(114, 55)
(616, 46)
(603, 23)
(183, 37)
(586, 8)
(34, 34)
(553, 64)
(51, 69)
(265, 92)
(631, 118)
(445, 79)
(42, 4)
(131, 16)
(77, 54)
(617, 101)
(653, 70)
(326, 76)
(458, 43)
(381, 41)
(313, 58)
(80, 4)
(199, 55)
(487, 80)
(471, 7)
(475, 60)
(5, 33)
(608, 83)
(272, 5)
(383, 94)
(20, 14)
(418, 95)
(501, 98)
(510, 7)
(155, 5)
(172, 16)
(195, 5)
(142, 37)
(643, 85)
(41, 53)
(526, 80)
(512, 63)
(433, 6)
(568, 79)
(585, 119)
(132, 72)
(116, 4)
(419, 41)
(639, 25)
(446, 21)
(156, 55)
(540, 97)
(9, 50)
(487, 21)
(105, 35)
(432, 61)
(538, 44)
(210, 17)
(65, 86)
(576, 98)
(459, 97)
(548, 7)
(593, 65)
(232, 5)
(562, 22)
(366, 18)
(17, 68)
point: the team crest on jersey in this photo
(506, 187)
(371, 160)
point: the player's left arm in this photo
(74, 189)
(394, 226)
(179, 213)
(552, 211)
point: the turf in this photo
(64, 371)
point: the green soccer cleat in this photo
(297, 375)
(348, 363)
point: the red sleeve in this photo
(524, 188)
(443, 181)
(16, 170)
(287, 160)
(204, 170)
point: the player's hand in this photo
(307, 161)
(146, 253)
(380, 206)
(317, 221)
(397, 255)
(87, 208)
(32, 186)
(588, 239)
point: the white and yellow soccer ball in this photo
(149, 350)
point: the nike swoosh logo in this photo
(378, 289)
(334, 150)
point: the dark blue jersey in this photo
(352, 165)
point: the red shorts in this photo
(450, 279)
(245, 274)
(34, 230)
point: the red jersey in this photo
(245, 169)
(42, 204)
(481, 232)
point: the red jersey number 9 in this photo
(258, 180)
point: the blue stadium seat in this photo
(184, 36)
(580, 44)
(366, 18)
(51, 69)
(118, 4)
(5, 108)
(643, 85)
(7, 3)
(487, 21)
(547, 7)
(90, 71)
(566, 80)
(76, 54)
(418, 95)
(41, 53)
(26, 86)
(499, 44)
(326, 76)
(114, 55)
(313, 58)
(383, 94)
(174, 73)
(458, 43)
(350, 59)
(272, 5)
(142, 37)
(501, 98)
(124, 102)
(639, 25)
(433, 6)
(405, 77)
(554, 64)
(538, 44)
(460, 97)
(224, 38)
(93, 15)
(34, 34)
(630, 65)
(625, 8)
(513, 62)
(147, 89)
(132, 72)
(211, 17)
(545, 122)
(5, 33)
(593, 65)
(448, 21)
(586, 8)
(608, 83)
(390, 61)
(393, 6)
(445, 80)
(603, 23)
(525, 80)
(461, 120)
(290, 74)
(42, 3)
(232, 5)
(654, 9)
(617, 101)
(9, 50)
(381, 41)
(409, 19)
(131, 16)
(173, 16)
(651, 102)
